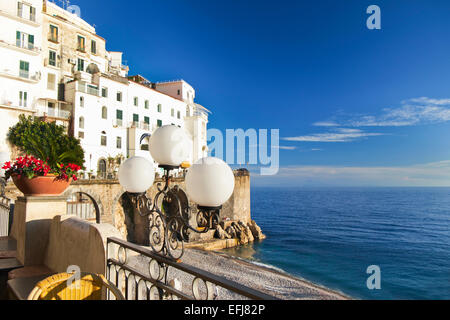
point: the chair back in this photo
(63, 286)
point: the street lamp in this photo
(209, 183)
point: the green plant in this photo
(46, 141)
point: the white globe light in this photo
(169, 145)
(210, 182)
(136, 175)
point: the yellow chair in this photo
(89, 287)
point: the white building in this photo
(53, 65)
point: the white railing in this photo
(59, 113)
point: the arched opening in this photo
(92, 68)
(101, 169)
(84, 207)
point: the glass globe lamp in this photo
(210, 182)
(136, 175)
(169, 146)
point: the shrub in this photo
(47, 142)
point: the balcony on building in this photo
(22, 75)
(83, 84)
(23, 15)
(21, 46)
(198, 111)
(55, 110)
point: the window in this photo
(104, 112)
(81, 134)
(80, 64)
(81, 44)
(105, 92)
(159, 108)
(81, 101)
(33, 14)
(159, 123)
(172, 113)
(135, 119)
(52, 58)
(146, 120)
(81, 123)
(23, 97)
(51, 81)
(136, 101)
(179, 92)
(119, 143)
(23, 8)
(103, 140)
(146, 104)
(93, 47)
(20, 9)
(119, 96)
(24, 40)
(179, 115)
(24, 69)
(101, 169)
(53, 36)
(119, 117)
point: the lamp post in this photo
(209, 183)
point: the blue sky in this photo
(354, 106)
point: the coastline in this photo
(280, 285)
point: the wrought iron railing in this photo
(151, 280)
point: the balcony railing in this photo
(141, 125)
(24, 74)
(155, 280)
(28, 47)
(63, 114)
(118, 123)
(89, 89)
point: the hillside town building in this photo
(54, 66)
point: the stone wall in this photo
(114, 206)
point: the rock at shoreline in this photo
(244, 233)
(256, 231)
(221, 234)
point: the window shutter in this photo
(119, 115)
(31, 39)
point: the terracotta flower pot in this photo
(41, 186)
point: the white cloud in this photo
(412, 112)
(429, 174)
(287, 148)
(340, 135)
(325, 124)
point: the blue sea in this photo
(330, 236)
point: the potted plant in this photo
(52, 158)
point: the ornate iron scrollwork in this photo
(169, 217)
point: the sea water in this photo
(330, 236)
